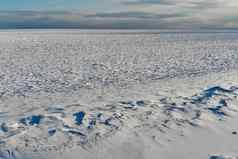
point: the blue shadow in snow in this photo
(79, 117)
(132, 104)
(7, 155)
(210, 92)
(217, 157)
(4, 127)
(91, 123)
(51, 131)
(174, 108)
(32, 120)
(218, 109)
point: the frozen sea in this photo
(103, 94)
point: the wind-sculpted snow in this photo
(68, 90)
(221, 157)
(32, 120)
(7, 155)
(80, 126)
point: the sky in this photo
(120, 14)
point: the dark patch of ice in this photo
(99, 115)
(32, 120)
(217, 157)
(132, 104)
(140, 103)
(173, 108)
(3, 113)
(73, 131)
(218, 109)
(55, 110)
(66, 126)
(7, 154)
(108, 122)
(129, 103)
(76, 132)
(4, 127)
(117, 115)
(223, 102)
(111, 121)
(103, 120)
(210, 92)
(79, 117)
(197, 115)
(163, 100)
(51, 131)
(234, 133)
(91, 123)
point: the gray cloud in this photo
(139, 14)
(145, 2)
(62, 19)
(173, 2)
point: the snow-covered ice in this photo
(118, 94)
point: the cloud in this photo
(139, 14)
(191, 3)
(196, 13)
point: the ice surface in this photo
(65, 94)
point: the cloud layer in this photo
(129, 14)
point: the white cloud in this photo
(202, 13)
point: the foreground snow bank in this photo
(163, 124)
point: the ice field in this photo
(89, 94)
